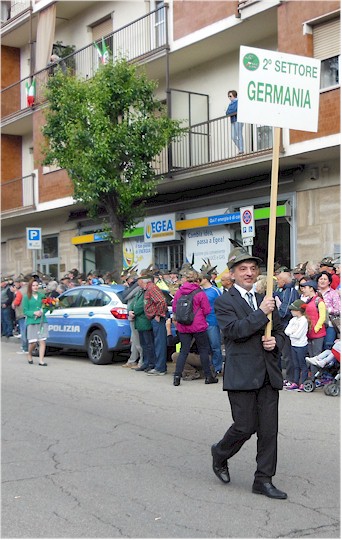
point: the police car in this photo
(90, 318)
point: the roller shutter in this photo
(102, 29)
(327, 39)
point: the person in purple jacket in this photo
(196, 330)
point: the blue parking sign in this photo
(33, 238)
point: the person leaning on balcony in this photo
(55, 62)
(236, 126)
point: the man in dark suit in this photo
(251, 375)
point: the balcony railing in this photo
(211, 142)
(138, 40)
(203, 145)
(17, 194)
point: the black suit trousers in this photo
(254, 411)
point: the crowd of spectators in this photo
(310, 290)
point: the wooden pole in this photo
(273, 221)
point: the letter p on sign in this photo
(33, 238)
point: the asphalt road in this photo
(104, 452)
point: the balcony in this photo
(18, 195)
(203, 148)
(210, 143)
(137, 41)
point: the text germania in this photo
(278, 94)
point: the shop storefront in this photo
(167, 241)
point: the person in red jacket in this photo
(20, 289)
(315, 310)
(196, 330)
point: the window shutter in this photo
(326, 39)
(102, 29)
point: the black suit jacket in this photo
(247, 362)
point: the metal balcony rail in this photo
(203, 145)
(135, 41)
(17, 194)
(212, 142)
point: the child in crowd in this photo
(297, 330)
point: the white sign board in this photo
(208, 243)
(33, 238)
(278, 89)
(247, 221)
(160, 228)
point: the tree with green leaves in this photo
(106, 132)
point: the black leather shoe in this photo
(269, 490)
(176, 380)
(141, 368)
(210, 380)
(220, 469)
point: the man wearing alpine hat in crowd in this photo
(252, 376)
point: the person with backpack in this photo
(190, 307)
(316, 313)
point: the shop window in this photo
(260, 243)
(169, 256)
(98, 256)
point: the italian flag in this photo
(30, 92)
(104, 53)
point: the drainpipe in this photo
(31, 44)
(167, 82)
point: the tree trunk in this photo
(117, 234)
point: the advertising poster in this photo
(136, 253)
(212, 243)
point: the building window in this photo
(47, 261)
(327, 48)
(330, 72)
(99, 31)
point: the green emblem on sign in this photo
(251, 61)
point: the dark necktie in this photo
(250, 300)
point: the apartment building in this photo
(192, 49)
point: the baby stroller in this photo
(328, 372)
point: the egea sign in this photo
(160, 228)
(278, 89)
